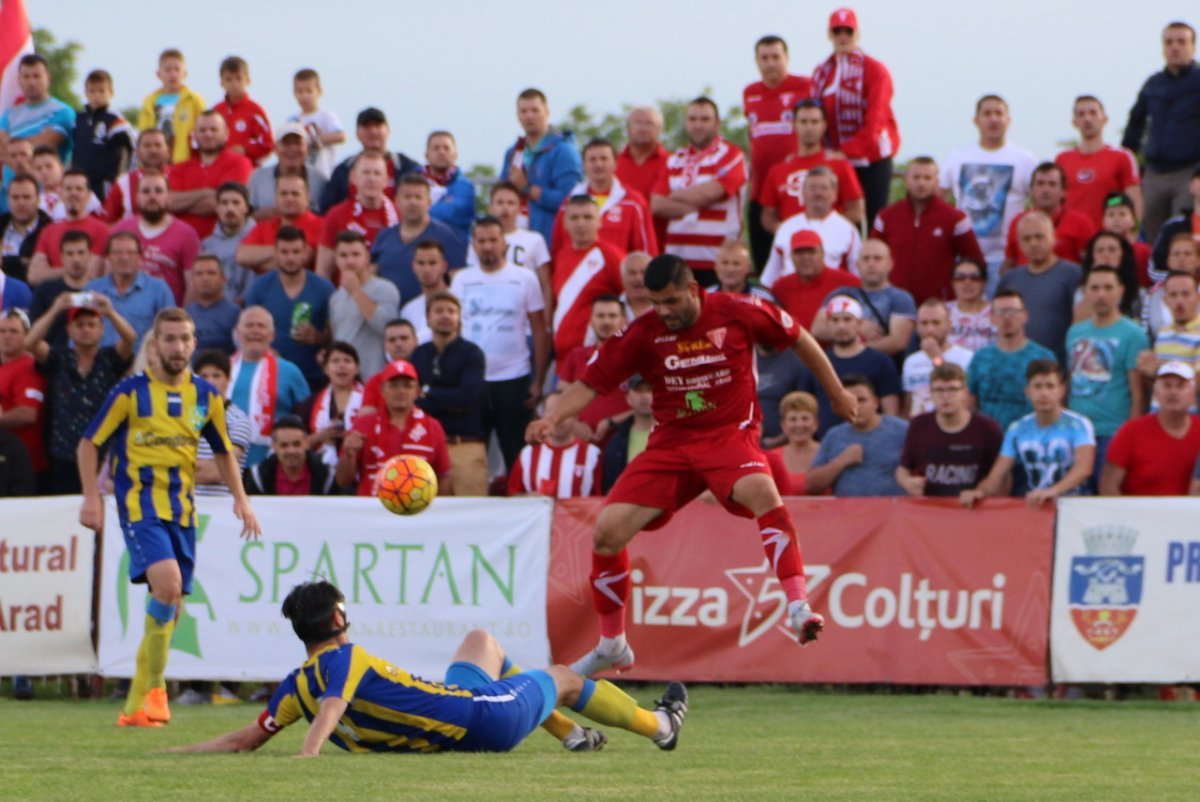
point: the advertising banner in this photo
(1126, 591)
(414, 586)
(46, 577)
(913, 592)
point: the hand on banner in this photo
(1036, 498)
(245, 513)
(91, 514)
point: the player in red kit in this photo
(697, 352)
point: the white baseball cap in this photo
(1176, 368)
(844, 305)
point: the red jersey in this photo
(703, 377)
(769, 120)
(804, 298)
(1091, 176)
(570, 471)
(1155, 463)
(309, 222)
(571, 368)
(422, 436)
(1072, 230)
(1141, 257)
(926, 245)
(249, 128)
(782, 188)
(577, 278)
(625, 221)
(350, 215)
(642, 177)
(696, 237)
(121, 200)
(49, 242)
(194, 174)
(21, 385)
(856, 92)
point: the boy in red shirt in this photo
(249, 128)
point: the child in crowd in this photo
(249, 129)
(324, 129)
(172, 108)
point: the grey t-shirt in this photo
(1050, 298)
(876, 474)
(889, 301)
(365, 335)
(262, 187)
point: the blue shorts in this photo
(507, 710)
(152, 540)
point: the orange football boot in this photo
(156, 705)
(138, 719)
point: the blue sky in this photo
(459, 65)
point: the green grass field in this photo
(752, 743)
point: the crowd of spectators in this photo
(1014, 324)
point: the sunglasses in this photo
(967, 277)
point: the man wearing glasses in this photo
(950, 449)
(997, 374)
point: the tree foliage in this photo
(64, 74)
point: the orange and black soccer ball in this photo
(405, 485)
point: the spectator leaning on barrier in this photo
(860, 458)
(79, 375)
(291, 469)
(798, 413)
(1155, 455)
(1056, 447)
(951, 448)
(1164, 125)
(451, 372)
(996, 377)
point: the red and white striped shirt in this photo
(696, 237)
(570, 471)
(578, 276)
(121, 200)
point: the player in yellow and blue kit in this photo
(153, 422)
(364, 704)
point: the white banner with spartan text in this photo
(414, 586)
(46, 575)
(1126, 591)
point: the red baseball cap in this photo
(806, 238)
(398, 368)
(843, 18)
(76, 311)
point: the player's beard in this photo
(172, 366)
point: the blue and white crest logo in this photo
(1106, 585)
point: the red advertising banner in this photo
(913, 591)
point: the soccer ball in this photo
(405, 485)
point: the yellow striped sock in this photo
(610, 705)
(137, 687)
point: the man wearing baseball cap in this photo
(802, 292)
(850, 357)
(401, 427)
(291, 144)
(372, 132)
(1155, 454)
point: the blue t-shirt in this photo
(144, 299)
(997, 380)
(876, 474)
(888, 301)
(1100, 360)
(214, 324)
(1047, 452)
(875, 365)
(27, 120)
(267, 291)
(291, 390)
(395, 257)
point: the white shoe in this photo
(596, 661)
(807, 624)
(191, 697)
(586, 740)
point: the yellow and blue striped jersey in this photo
(389, 709)
(155, 429)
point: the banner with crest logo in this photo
(1126, 591)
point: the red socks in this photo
(610, 590)
(779, 542)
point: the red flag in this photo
(16, 39)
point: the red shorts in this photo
(667, 475)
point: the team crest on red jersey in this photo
(614, 214)
(716, 336)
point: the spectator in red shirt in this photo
(625, 221)
(563, 466)
(153, 155)
(194, 182)
(767, 104)
(643, 158)
(781, 193)
(604, 412)
(803, 291)
(249, 128)
(401, 427)
(22, 389)
(47, 257)
(1094, 169)
(257, 251)
(856, 91)
(1072, 229)
(927, 236)
(1154, 455)
(368, 212)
